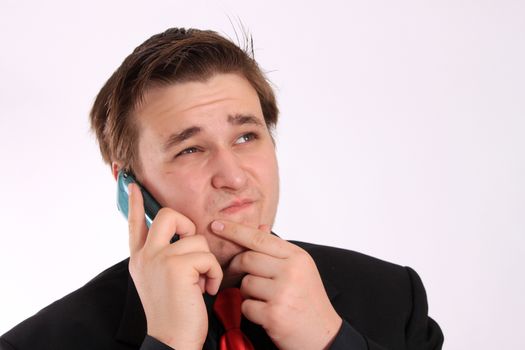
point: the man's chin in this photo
(226, 251)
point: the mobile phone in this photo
(151, 206)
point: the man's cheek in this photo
(189, 203)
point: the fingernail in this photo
(217, 226)
(130, 190)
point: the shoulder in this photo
(385, 302)
(95, 308)
(363, 288)
(347, 263)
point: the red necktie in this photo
(227, 307)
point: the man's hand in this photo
(171, 278)
(283, 290)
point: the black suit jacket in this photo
(382, 303)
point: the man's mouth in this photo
(237, 205)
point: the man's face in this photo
(206, 152)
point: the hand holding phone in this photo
(170, 278)
(151, 206)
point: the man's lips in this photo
(237, 205)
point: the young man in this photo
(191, 116)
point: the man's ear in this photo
(115, 168)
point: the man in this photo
(191, 116)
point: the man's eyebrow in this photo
(241, 119)
(237, 119)
(179, 137)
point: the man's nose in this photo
(228, 172)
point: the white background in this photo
(401, 136)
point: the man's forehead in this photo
(224, 95)
(195, 94)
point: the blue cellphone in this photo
(151, 206)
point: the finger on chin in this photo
(251, 238)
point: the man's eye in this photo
(187, 151)
(245, 138)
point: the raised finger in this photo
(138, 230)
(252, 238)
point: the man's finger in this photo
(252, 238)
(255, 263)
(255, 311)
(190, 244)
(265, 228)
(138, 230)
(207, 265)
(165, 225)
(258, 288)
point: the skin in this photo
(219, 188)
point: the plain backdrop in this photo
(401, 136)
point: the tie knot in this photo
(227, 307)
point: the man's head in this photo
(174, 56)
(191, 114)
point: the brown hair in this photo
(177, 55)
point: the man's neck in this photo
(231, 280)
